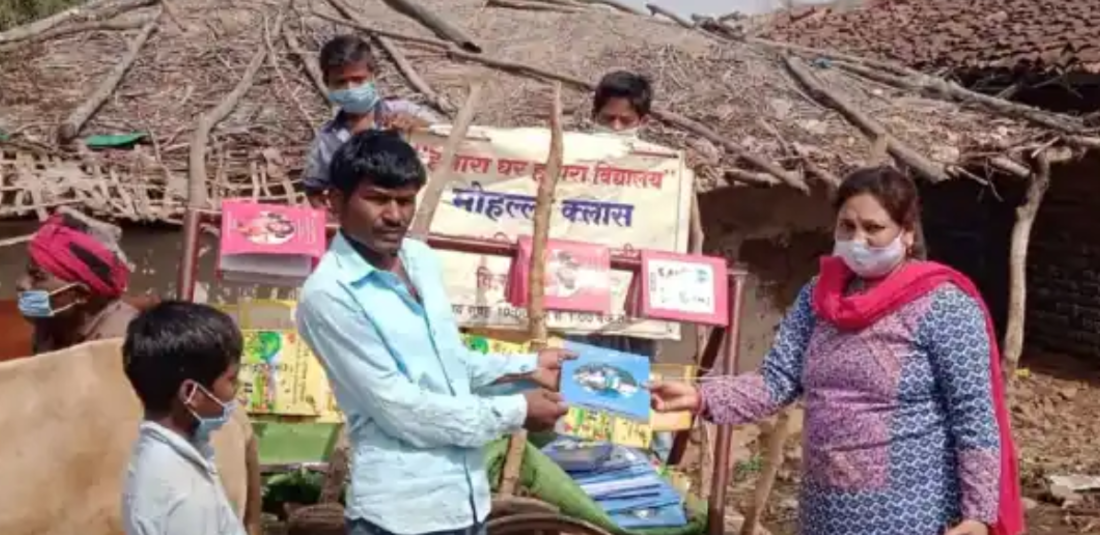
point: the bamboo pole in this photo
(444, 172)
(536, 307)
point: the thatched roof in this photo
(732, 105)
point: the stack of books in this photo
(624, 482)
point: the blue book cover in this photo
(664, 495)
(614, 475)
(657, 517)
(605, 379)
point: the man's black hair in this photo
(624, 84)
(175, 341)
(377, 157)
(344, 50)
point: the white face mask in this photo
(870, 262)
(627, 133)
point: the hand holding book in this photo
(544, 408)
(548, 374)
(674, 396)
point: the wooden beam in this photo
(655, 10)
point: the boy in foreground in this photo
(376, 314)
(182, 360)
(350, 68)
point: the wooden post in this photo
(536, 308)
(1017, 264)
(422, 223)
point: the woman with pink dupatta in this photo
(906, 430)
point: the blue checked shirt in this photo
(408, 387)
(335, 132)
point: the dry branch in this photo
(422, 223)
(533, 6)
(71, 29)
(1017, 264)
(438, 101)
(16, 240)
(875, 131)
(791, 179)
(1010, 166)
(399, 60)
(619, 6)
(430, 41)
(439, 25)
(307, 60)
(938, 87)
(655, 10)
(273, 61)
(32, 29)
(71, 127)
(915, 80)
(196, 165)
(749, 177)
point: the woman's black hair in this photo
(624, 84)
(377, 157)
(175, 341)
(895, 191)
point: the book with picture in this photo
(269, 243)
(279, 375)
(607, 380)
(577, 276)
(681, 287)
(655, 517)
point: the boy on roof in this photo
(622, 103)
(350, 68)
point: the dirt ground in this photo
(1055, 403)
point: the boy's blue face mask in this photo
(207, 425)
(37, 304)
(358, 100)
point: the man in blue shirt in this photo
(350, 68)
(376, 314)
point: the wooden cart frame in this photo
(720, 352)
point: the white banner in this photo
(628, 195)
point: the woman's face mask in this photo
(355, 100)
(38, 304)
(870, 262)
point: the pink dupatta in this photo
(909, 283)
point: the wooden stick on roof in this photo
(72, 29)
(440, 25)
(873, 129)
(655, 10)
(196, 163)
(71, 127)
(620, 6)
(39, 26)
(535, 6)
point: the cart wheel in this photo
(541, 524)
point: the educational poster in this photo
(684, 288)
(627, 195)
(279, 375)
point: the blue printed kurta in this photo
(900, 435)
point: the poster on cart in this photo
(626, 194)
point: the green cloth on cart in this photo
(549, 483)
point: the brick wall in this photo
(1064, 264)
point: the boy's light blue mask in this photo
(207, 425)
(357, 100)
